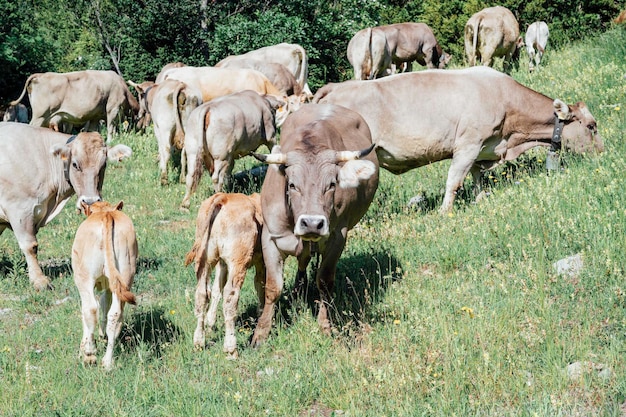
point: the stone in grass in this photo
(577, 369)
(570, 266)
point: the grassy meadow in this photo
(457, 315)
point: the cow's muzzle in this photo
(311, 227)
(88, 200)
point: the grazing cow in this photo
(172, 103)
(16, 113)
(410, 42)
(79, 98)
(225, 129)
(318, 190)
(216, 82)
(104, 258)
(228, 238)
(40, 170)
(278, 74)
(477, 116)
(143, 115)
(292, 56)
(536, 37)
(490, 33)
(369, 54)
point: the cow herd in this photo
(321, 178)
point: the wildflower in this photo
(617, 108)
(396, 322)
(237, 397)
(469, 311)
(172, 312)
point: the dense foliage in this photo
(138, 38)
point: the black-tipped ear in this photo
(119, 206)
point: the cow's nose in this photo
(311, 227)
(89, 200)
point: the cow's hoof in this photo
(42, 284)
(89, 360)
(232, 356)
(184, 209)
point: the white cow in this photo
(536, 37)
(172, 103)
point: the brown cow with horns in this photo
(321, 183)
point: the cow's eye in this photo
(292, 186)
(591, 127)
(332, 185)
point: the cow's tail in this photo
(116, 283)
(198, 252)
(25, 90)
(476, 28)
(369, 56)
(180, 99)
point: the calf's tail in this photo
(198, 252)
(116, 283)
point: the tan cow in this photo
(79, 98)
(278, 74)
(368, 53)
(291, 55)
(104, 259)
(491, 33)
(171, 104)
(216, 82)
(410, 42)
(228, 238)
(40, 170)
(478, 117)
(161, 75)
(322, 182)
(225, 129)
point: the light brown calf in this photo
(228, 238)
(104, 257)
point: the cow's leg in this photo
(221, 174)
(194, 174)
(460, 166)
(326, 278)
(232, 289)
(221, 275)
(203, 292)
(113, 327)
(183, 165)
(89, 309)
(106, 299)
(259, 282)
(165, 149)
(25, 233)
(274, 263)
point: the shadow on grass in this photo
(361, 282)
(151, 329)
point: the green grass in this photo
(459, 315)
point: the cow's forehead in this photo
(88, 144)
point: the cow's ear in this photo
(86, 208)
(353, 172)
(119, 206)
(61, 151)
(119, 152)
(562, 110)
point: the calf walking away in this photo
(104, 259)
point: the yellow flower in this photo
(617, 108)
(172, 312)
(469, 311)
(396, 322)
